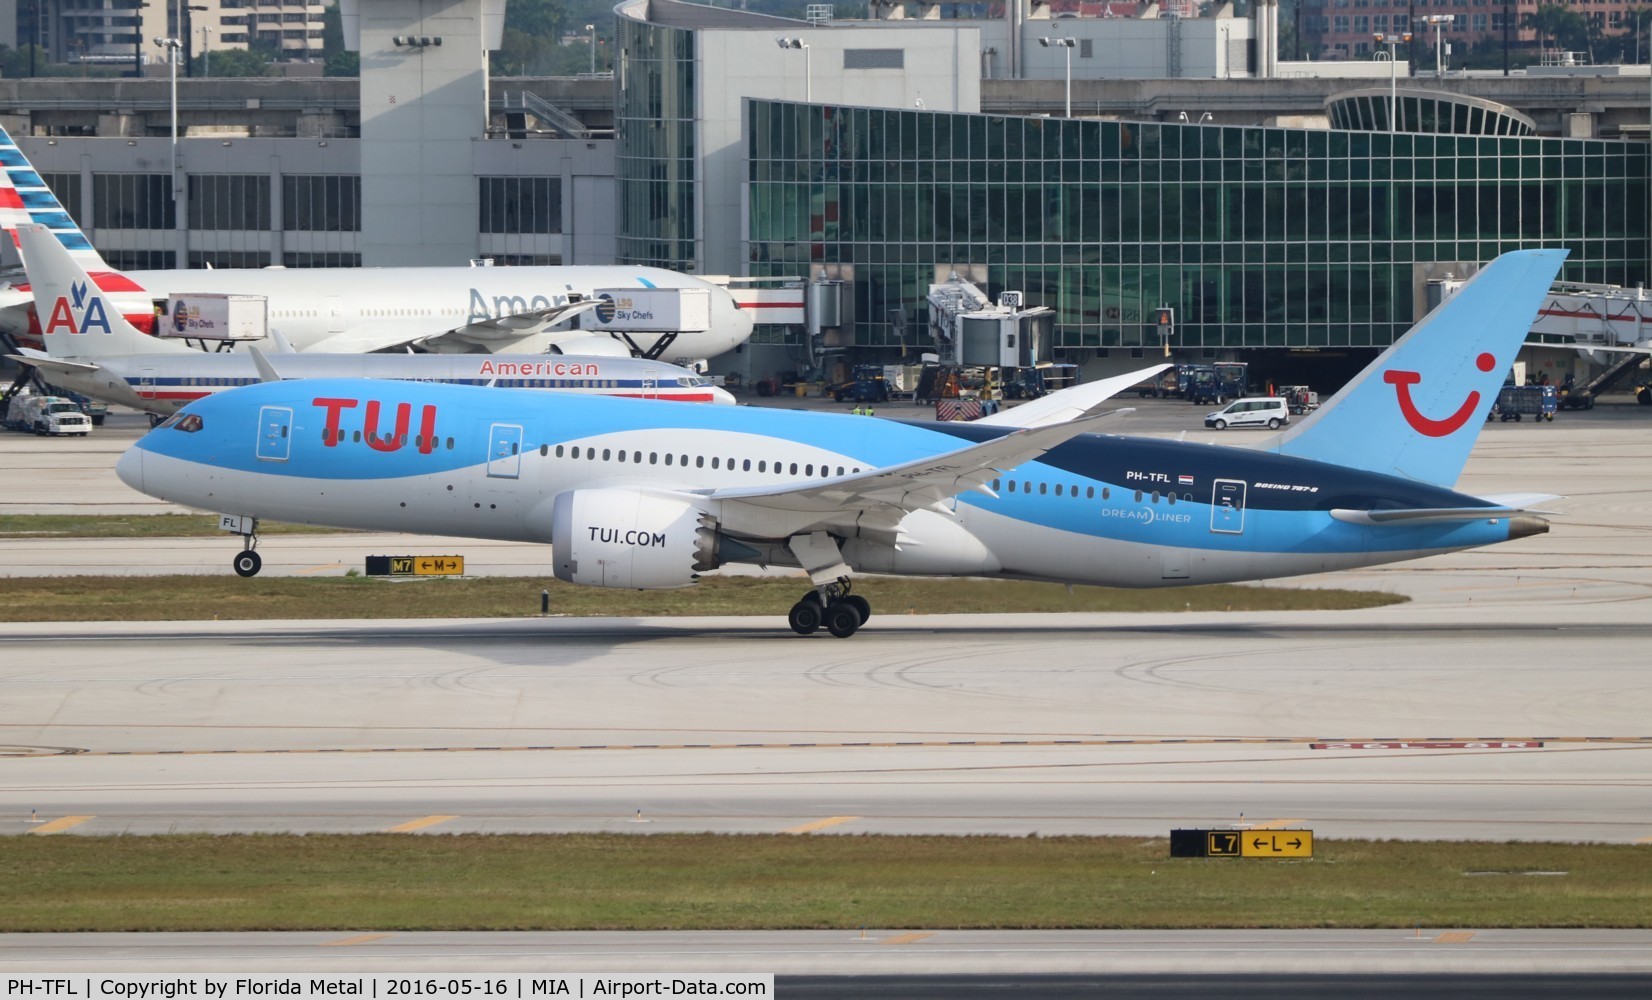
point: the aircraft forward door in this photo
(505, 451)
(650, 383)
(1227, 506)
(335, 314)
(275, 424)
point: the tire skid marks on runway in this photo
(1534, 742)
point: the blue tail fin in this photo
(1417, 410)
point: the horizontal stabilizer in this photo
(50, 364)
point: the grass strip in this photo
(190, 598)
(136, 526)
(705, 882)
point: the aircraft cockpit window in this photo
(189, 423)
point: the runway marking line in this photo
(1313, 742)
(1455, 937)
(821, 824)
(911, 938)
(420, 823)
(1276, 824)
(60, 824)
(358, 939)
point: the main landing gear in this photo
(831, 606)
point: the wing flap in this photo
(1069, 404)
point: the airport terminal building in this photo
(888, 155)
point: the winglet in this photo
(266, 371)
(1068, 404)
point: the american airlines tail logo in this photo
(1402, 382)
(83, 315)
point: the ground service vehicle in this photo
(1262, 411)
(55, 415)
(1515, 402)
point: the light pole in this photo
(1439, 49)
(808, 75)
(206, 50)
(1066, 45)
(1393, 85)
(591, 30)
(172, 47)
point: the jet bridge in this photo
(970, 329)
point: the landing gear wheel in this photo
(862, 605)
(842, 619)
(813, 595)
(247, 563)
(805, 616)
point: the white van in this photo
(1271, 412)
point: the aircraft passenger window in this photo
(355, 437)
(809, 469)
(668, 458)
(1138, 496)
(699, 461)
(544, 450)
(1106, 494)
(1058, 490)
(1089, 492)
(621, 454)
(745, 465)
(840, 470)
(636, 456)
(762, 466)
(716, 462)
(605, 454)
(856, 469)
(794, 468)
(1073, 490)
(653, 458)
(1043, 488)
(1155, 496)
(1011, 485)
(574, 451)
(558, 451)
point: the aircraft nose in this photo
(130, 468)
(721, 396)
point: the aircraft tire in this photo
(247, 563)
(862, 605)
(805, 617)
(842, 619)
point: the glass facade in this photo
(519, 205)
(655, 148)
(1258, 237)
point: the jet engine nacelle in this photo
(630, 540)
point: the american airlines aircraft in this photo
(641, 496)
(354, 310)
(91, 349)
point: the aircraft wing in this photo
(500, 328)
(43, 361)
(1593, 347)
(877, 499)
(1068, 404)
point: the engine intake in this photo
(629, 540)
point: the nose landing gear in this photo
(246, 562)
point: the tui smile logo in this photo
(1402, 383)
